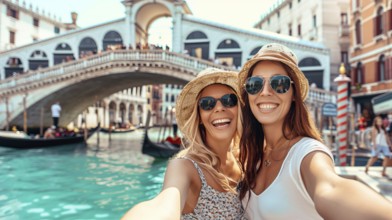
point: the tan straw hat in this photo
(187, 99)
(281, 53)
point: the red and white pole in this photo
(342, 103)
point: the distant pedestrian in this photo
(381, 144)
(174, 123)
(56, 110)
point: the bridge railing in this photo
(119, 55)
(319, 96)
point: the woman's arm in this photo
(389, 142)
(336, 197)
(169, 203)
(374, 137)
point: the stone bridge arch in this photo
(80, 88)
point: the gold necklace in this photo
(267, 161)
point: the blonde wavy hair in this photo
(196, 148)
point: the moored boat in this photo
(118, 130)
(21, 140)
(158, 150)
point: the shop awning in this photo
(382, 103)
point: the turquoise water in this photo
(78, 182)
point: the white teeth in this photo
(218, 121)
(267, 106)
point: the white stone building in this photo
(326, 22)
(21, 24)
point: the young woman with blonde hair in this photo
(201, 181)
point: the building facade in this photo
(370, 52)
(313, 20)
(21, 24)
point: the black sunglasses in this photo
(279, 83)
(207, 103)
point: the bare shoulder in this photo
(180, 164)
(317, 163)
(180, 168)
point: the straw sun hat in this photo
(281, 53)
(188, 96)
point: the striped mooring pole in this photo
(342, 103)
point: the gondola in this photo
(157, 150)
(23, 141)
(118, 130)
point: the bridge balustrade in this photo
(184, 61)
(319, 96)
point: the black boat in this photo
(23, 141)
(158, 150)
(118, 130)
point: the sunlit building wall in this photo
(314, 20)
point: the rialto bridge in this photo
(35, 75)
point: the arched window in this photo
(13, 67)
(112, 40)
(309, 61)
(255, 50)
(87, 47)
(63, 53)
(358, 32)
(379, 23)
(196, 35)
(228, 43)
(38, 59)
(358, 74)
(381, 68)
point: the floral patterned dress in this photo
(213, 204)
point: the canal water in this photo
(78, 182)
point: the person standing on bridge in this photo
(56, 110)
(201, 181)
(289, 172)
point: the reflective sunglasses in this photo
(207, 103)
(279, 83)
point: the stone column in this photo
(130, 38)
(177, 29)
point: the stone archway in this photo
(63, 53)
(13, 67)
(313, 72)
(112, 41)
(38, 59)
(229, 53)
(112, 113)
(197, 45)
(122, 114)
(87, 47)
(130, 113)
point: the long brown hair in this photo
(298, 121)
(378, 127)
